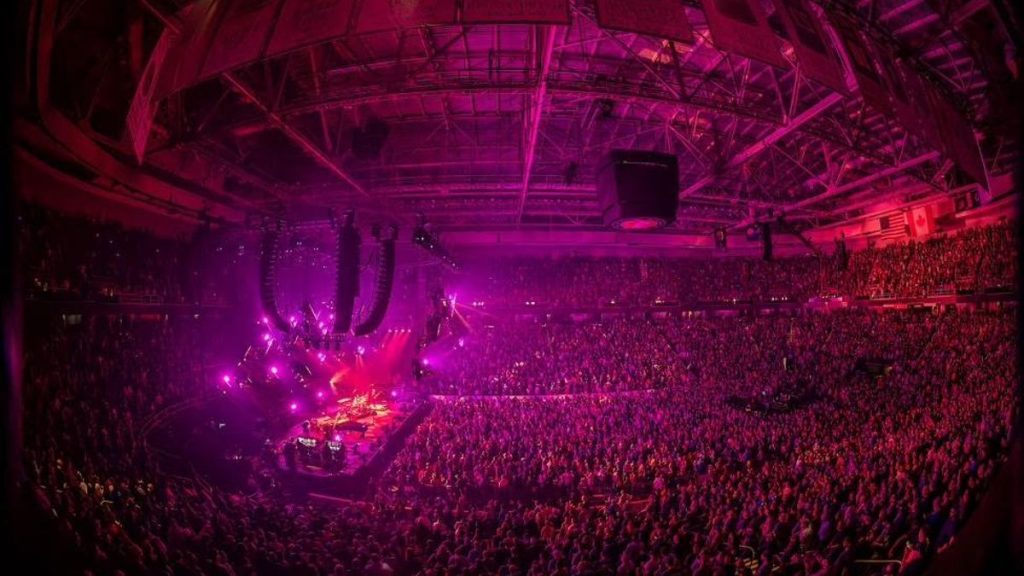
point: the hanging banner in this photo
(741, 27)
(903, 101)
(515, 11)
(386, 15)
(956, 131)
(144, 105)
(241, 35)
(306, 22)
(817, 60)
(919, 113)
(868, 79)
(187, 49)
(658, 18)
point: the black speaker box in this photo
(638, 190)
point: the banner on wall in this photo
(387, 15)
(740, 26)
(241, 35)
(515, 11)
(658, 18)
(307, 22)
(817, 60)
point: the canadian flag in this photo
(922, 223)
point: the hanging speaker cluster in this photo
(347, 287)
(385, 279)
(268, 277)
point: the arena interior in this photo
(510, 287)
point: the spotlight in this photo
(294, 406)
(320, 394)
(273, 370)
(227, 379)
(360, 350)
(337, 437)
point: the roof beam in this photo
(759, 146)
(294, 135)
(531, 127)
(838, 190)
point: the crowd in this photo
(553, 446)
(75, 258)
(974, 259)
(662, 481)
(512, 358)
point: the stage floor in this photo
(360, 426)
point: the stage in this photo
(342, 447)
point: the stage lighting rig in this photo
(424, 238)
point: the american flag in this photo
(893, 225)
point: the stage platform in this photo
(340, 449)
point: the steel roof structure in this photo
(500, 126)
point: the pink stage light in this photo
(294, 406)
(227, 379)
(273, 370)
(426, 361)
(266, 337)
(266, 320)
(320, 394)
(337, 437)
(360, 350)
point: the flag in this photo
(893, 225)
(922, 222)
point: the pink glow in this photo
(227, 379)
(360, 350)
(266, 337)
(337, 437)
(294, 406)
(273, 370)
(320, 394)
